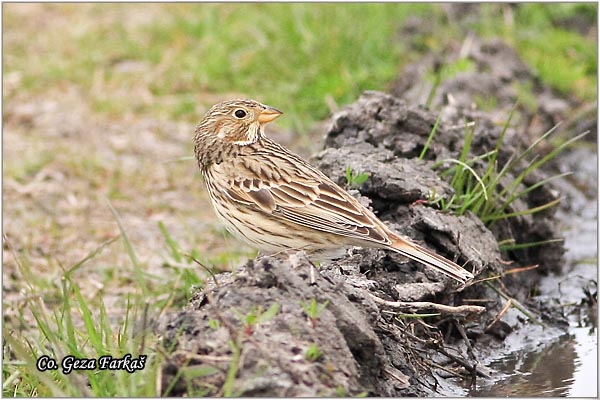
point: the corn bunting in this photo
(274, 200)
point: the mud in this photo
(549, 361)
(273, 358)
(367, 343)
(378, 122)
(498, 82)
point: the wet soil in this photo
(550, 361)
(361, 336)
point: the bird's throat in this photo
(252, 135)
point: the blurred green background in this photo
(174, 60)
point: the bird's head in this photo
(238, 122)
(230, 124)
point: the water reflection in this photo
(549, 371)
(585, 378)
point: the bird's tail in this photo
(429, 258)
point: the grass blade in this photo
(430, 137)
(141, 280)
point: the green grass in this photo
(256, 316)
(68, 321)
(313, 353)
(79, 327)
(266, 51)
(313, 310)
(300, 58)
(480, 183)
(355, 178)
(563, 58)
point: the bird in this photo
(274, 200)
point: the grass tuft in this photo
(355, 179)
(68, 321)
(487, 193)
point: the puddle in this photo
(585, 378)
(552, 363)
(566, 367)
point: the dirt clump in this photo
(361, 336)
(275, 357)
(365, 347)
(381, 128)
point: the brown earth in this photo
(367, 347)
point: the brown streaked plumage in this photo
(274, 200)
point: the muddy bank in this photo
(281, 327)
(526, 363)
(363, 342)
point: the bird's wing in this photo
(304, 196)
(284, 186)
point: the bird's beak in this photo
(268, 115)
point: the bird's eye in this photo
(239, 113)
